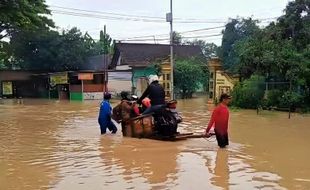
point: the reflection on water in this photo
(56, 145)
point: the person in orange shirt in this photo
(219, 120)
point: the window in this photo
(164, 77)
(168, 77)
(168, 85)
(211, 75)
(211, 85)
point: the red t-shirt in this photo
(219, 119)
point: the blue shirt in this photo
(105, 110)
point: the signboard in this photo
(59, 78)
(7, 88)
(86, 76)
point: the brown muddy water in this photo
(57, 145)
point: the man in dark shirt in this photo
(156, 93)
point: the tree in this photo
(5, 55)
(208, 49)
(235, 31)
(16, 15)
(51, 51)
(280, 52)
(188, 75)
(176, 38)
(105, 45)
(249, 93)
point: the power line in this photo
(109, 13)
(184, 32)
(179, 20)
(160, 35)
(183, 37)
(102, 17)
(88, 15)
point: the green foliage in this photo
(17, 15)
(208, 49)
(249, 93)
(4, 55)
(187, 76)
(281, 52)
(235, 31)
(176, 38)
(273, 98)
(105, 45)
(290, 99)
(51, 51)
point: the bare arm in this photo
(212, 121)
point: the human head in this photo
(225, 99)
(124, 95)
(146, 102)
(153, 78)
(107, 96)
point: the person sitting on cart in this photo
(156, 93)
(124, 111)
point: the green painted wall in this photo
(141, 72)
(76, 96)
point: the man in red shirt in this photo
(219, 119)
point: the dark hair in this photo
(224, 97)
(124, 95)
(107, 96)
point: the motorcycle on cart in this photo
(161, 125)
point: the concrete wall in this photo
(224, 84)
(119, 81)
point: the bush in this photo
(292, 99)
(189, 74)
(273, 98)
(249, 93)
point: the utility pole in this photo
(105, 57)
(169, 18)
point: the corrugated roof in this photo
(134, 54)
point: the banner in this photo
(7, 88)
(59, 78)
(86, 76)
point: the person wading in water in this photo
(219, 119)
(104, 118)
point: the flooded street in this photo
(57, 145)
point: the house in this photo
(90, 81)
(120, 79)
(219, 81)
(87, 83)
(17, 84)
(141, 59)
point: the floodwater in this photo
(57, 145)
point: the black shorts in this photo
(222, 139)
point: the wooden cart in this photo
(144, 127)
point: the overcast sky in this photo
(207, 11)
